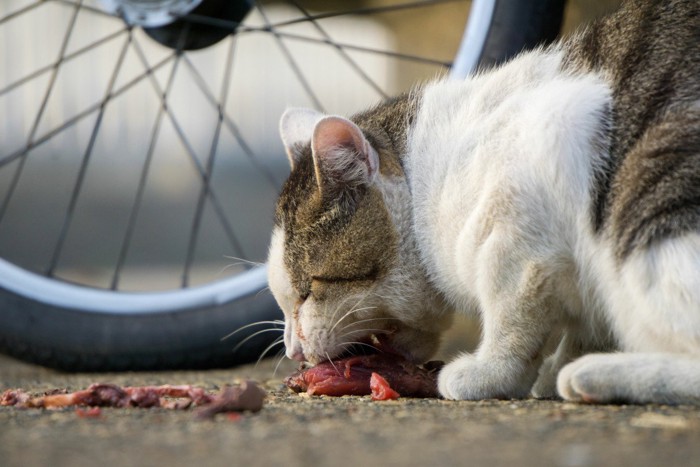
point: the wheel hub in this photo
(183, 24)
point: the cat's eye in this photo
(372, 275)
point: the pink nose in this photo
(299, 356)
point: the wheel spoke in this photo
(241, 28)
(358, 48)
(81, 115)
(47, 94)
(291, 62)
(86, 160)
(36, 73)
(89, 8)
(206, 185)
(231, 125)
(273, 28)
(145, 170)
(362, 11)
(20, 12)
(192, 154)
(341, 51)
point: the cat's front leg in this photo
(506, 364)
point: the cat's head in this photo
(342, 263)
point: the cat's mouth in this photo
(374, 344)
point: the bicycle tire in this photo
(71, 328)
(79, 335)
(508, 28)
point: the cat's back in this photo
(613, 112)
(649, 53)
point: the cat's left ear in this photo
(343, 157)
(296, 129)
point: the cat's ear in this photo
(296, 129)
(343, 157)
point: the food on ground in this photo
(352, 376)
(246, 396)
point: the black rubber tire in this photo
(78, 340)
(519, 25)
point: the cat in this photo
(557, 197)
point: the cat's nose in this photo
(299, 356)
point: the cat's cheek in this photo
(277, 276)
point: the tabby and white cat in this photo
(557, 196)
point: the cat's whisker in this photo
(265, 289)
(332, 364)
(252, 263)
(364, 296)
(257, 323)
(227, 267)
(282, 356)
(277, 341)
(366, 320)
(244, 261)
(262, 331)
(342, 303)
(348, 314)
(361, 331)
(358, 343)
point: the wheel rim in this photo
(63, 295)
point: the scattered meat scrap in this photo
(247, 396)
(90, 412)
(381, 391)
(353, 375)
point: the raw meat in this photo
(247, 396)
(351, 376)
(381, 391)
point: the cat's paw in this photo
(632, 378)
(595, 378)
(469, 378)
(545, 386)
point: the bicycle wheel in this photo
(140, 150)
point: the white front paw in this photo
(637, 378)
(597, 378)
(468, 378)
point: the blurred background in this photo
(126, 165)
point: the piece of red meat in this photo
(381, 391)
(245, 396)
(352, 375)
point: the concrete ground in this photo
(299, 430)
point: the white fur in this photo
(297, 125)
(501, 168)
(278, 279)
(656, 297)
